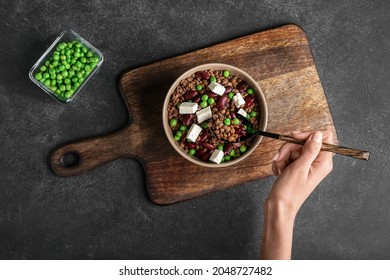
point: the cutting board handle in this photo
(80, 156)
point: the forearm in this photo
(278, 231)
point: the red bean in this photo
(200, 153)
(206, 156)
(242, 85)
(228, 148)
(190, 94)
(202, 74)
(233, 115)
(187, 120)
(208, 146)
(211, 94)
(228, 89)
(204, 136)
(249, 101)
(190, 145)
(221, 102)
(196, 99)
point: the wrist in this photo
(279, 212)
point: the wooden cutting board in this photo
(281, 62)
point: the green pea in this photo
(220, 147)
(204, 97)
(53, 82)
(61, 68)
(76, 54)
(47, 62)
(75, 79)
(87, 67)
(83, 60)
(230, 95)
(64, 74)
(243, 149)
(236, 121)
(43, 68)
(55, 63)
(67, 81)
(46, 75)
(203, 104)
(52, 71)
(79, 75)
(62, 88)
(226, 158)
(173, 122)
(211, 101)
(38, 76)
(69, 45)
(182, 128)
(59, 77)
(62, 57)
(226, 121)
(178, 133)
(226, 73)
(253, 114)
(204, 125)
(213, 79)
(71, 73)
(58, 91)
(68, 87)
(67, 66)
(245, 127)
(199, 87)
(250, 91)
(61, 46)
(53, 88)
(192, 152)
(68, 94)
(53, 76)
(233, 153)
(47, 83)
(84, 49)
(79, 64)
(89, 54)
(177, 138)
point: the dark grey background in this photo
(106, 214)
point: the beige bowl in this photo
(263, 115)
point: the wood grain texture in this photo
(281, 62)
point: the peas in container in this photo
(66, 66)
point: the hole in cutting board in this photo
(70, 159)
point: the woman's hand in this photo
(299, 169)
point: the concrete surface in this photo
(106, 214)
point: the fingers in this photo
(282, 158)
(310, 151)
(306, 154)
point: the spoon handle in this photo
(355, 153)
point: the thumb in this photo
(311, 149)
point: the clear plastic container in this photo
(65, 37)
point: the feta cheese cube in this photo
(194, 132)
(204, 114)
(216, 156)
(238, 100)
(242, 113)
(188, 108)
(217, 88)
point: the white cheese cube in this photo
(188, 108)
(238, 100)
(217, 88)
(216, 156)
(242, 113)
(194, 132)
(204, 114)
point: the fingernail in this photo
(275, 156)
(317, 137)
(279, 172)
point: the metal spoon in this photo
(251, 132)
